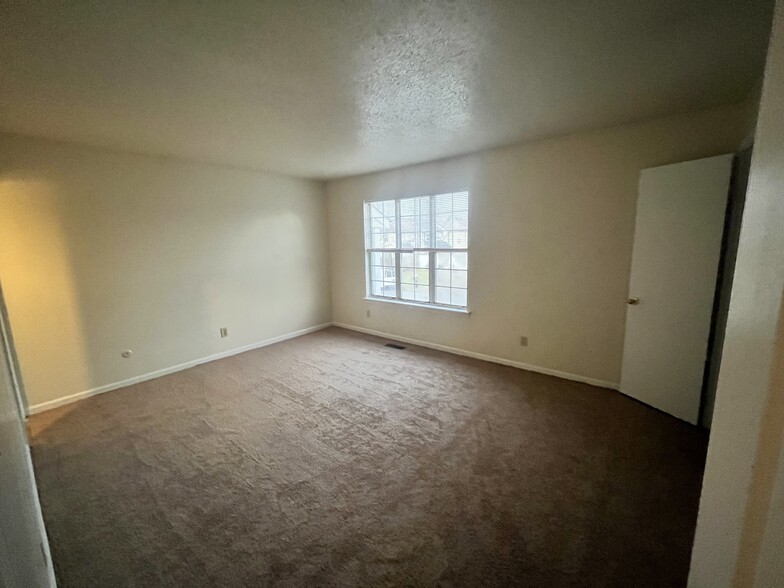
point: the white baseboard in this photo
(43, 406)
(482, 356)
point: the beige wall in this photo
(102, 251)
(740, 529)
(551, 228)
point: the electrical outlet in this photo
(367, 313)
(127, 353)
(523, 341)
(224, 332)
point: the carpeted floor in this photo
(332, 460)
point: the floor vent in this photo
(394, 346)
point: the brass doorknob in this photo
(632, 301)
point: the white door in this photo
(677, 246)
(24, 551)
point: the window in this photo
(416, 249)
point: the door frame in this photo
(8, 355)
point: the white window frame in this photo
(397, 251)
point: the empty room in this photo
(392, 293)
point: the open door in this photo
(677, 247)
(24, 551)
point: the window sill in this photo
(417, 305)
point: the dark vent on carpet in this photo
(394, 346)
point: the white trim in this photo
(39, 516)
(482, 356)
(426, 306)
(43, 406)
(7, 355)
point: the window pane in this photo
(375, 258)
(459, 279)
(444, 239)
(424, 232)
(459, 296)
(388, 259)
(415, 218)
(422, 293)
(383, 226)
(422, 259)
(422, 276)
(444, 221)
(442, 260)
(451, 221)
(377, 288)
(406, 260)
(407, 206)
(460, 201)
(390, 241)
(376, 209)
(407, 275)
(407, 291)
(377, 273)
(408, 240)
(442, 295)
(443, 229)
(443, 203)
(460, 260)
(442, 278)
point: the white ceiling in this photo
(326, 88)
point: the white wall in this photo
(551, 228)
(740, 529)
(103, 251)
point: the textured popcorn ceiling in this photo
(330, 88)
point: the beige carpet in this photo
(332, 460)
